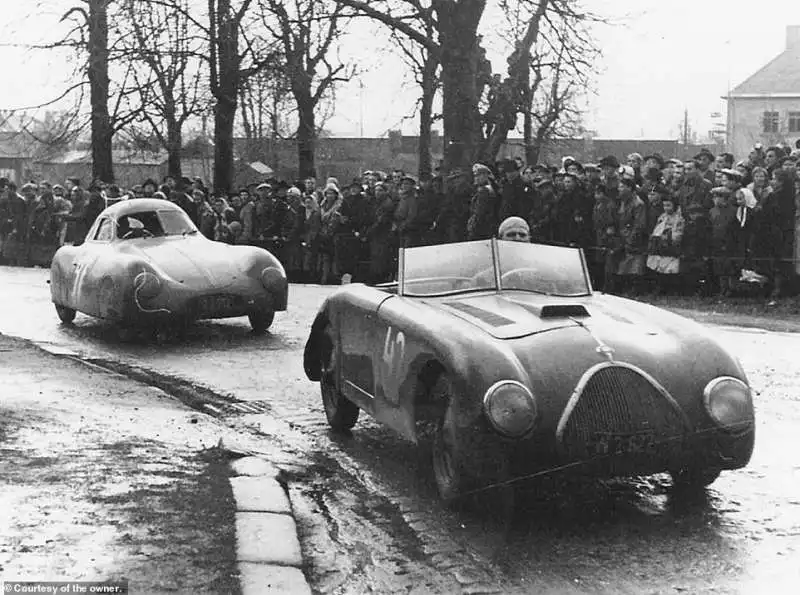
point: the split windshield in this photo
(157, 223)
(471, 266)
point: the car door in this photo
(86, 282)
(357, 321)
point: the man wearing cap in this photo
(483, 210)
(451, 221)
(694, 198)
(406, 211)
(514, 229)
(513, 198)
(703, 161)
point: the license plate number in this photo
(622, 444)
(213, 304)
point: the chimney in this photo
(793, 37)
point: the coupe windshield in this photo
(163, 222)
(474, 266)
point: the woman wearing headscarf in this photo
(330, 216)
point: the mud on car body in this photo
(521, 367)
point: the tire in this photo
(693, 479)
(261, 320)
(342, 414)
(67, 315)
(449, 458)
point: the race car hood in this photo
(192, 262)
(509, 316)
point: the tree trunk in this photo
(174, 145)
(226, 93)
(306, 135)
(426, 116)
(458, 23)
(531, 151)
(102, 132)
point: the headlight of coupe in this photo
(510, 408)
(729, 403)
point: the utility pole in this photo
(686, 127)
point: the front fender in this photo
(313, 352)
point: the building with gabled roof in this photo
(765, 108)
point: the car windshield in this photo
(470, 266)
(554, 270)
(163, 222)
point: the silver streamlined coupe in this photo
(145, 263)
(522, 368)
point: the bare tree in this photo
(306, 31)
(464, 68)
(163, 50)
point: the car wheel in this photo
(67, 315)
(342, 413)
(693, 478)
(261, 320)
(449, 465)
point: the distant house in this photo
(766, 107)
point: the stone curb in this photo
(267, 546)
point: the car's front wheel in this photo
(342, 413)
(692, 478)
(67, 315)
(261, 320)
(449, 456)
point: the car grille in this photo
(622, 424)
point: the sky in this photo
(658, 59)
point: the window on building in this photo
(771, 122)
(794, 121)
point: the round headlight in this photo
(510, 408)
(729, 403)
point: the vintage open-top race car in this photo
(145, 263)
(523, 368)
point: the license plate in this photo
(624, 444)
(215, 304)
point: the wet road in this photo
(367, 509)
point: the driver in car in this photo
(514, 229)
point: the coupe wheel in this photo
(342, 413)
(693, 478)
(449, 460)
(67, 315)
(261, 320)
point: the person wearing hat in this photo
(347, 242)
(514, 199)
(571, 214)
(483, 209)
(514, 229)
(703, 161)
(609, 174)
(694, 199)
(773, 241)
(405, 212)
(632, 223)
(664, 246)
(542, 210)
(601, 258)
(723, 221)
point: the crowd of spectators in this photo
(707, 225)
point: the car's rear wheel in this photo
(342, 413)
(67, 315)
(449, 458)
(261, 320)
(693, 478)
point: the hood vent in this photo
(489, 318)
(556, 310)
